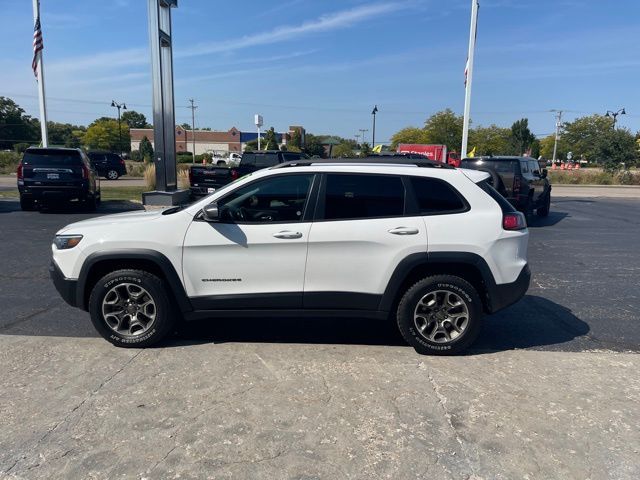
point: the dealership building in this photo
(232, 140)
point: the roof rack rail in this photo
(424, 163)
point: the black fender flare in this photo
(409, 263)
(157, 258)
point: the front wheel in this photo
(131, 308)
(112, 175)
(440, 315)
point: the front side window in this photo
(276, 199)
(524, 167)
(534, 167)
(436, 196)
(363, 196)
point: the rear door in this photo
(50, 167)
(360, 234)
(537, 182)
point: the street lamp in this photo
(373, 136)
(615, 115)
(123, 107)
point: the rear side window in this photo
(266, 160)
(500, 200)
(363, 196)
(436, 196)
(51, 158)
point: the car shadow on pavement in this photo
(534, 322)
(553, 218)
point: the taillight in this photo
(234, 174)
(516, 184)
(190, 177)
(514, 221)
(85, 172)
(19, 172)
(122, 162)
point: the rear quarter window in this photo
(493, 193)
(435, 196)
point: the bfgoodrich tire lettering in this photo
(456, 309)
(157, 323)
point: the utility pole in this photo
(362, 130)
(373, 113)
(558, 123)
(193, 129)
(123, 107)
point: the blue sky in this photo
(324, 64)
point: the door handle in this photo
(404, 231)
(287, 234)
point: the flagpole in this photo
(40, 80)
(467, 91)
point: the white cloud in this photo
(324, 23)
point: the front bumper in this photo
(503, 295)
(67, 288)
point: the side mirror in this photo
(210, 213)
(544, 173)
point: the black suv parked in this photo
(519, 179)
(46, 175)
(109, 165)
(252, 161)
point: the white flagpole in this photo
(467, 91)
(41, 97)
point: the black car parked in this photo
(109, 165)
(252, 161)
(48, 175)
(519, 179)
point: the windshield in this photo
(500, 166)
(52, 158)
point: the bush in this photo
(183, 179)
(150, 176)
(20, 147)
(9, 162)
(136, 156)
(135, 169)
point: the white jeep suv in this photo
(430, 246)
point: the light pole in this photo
(258, 122)
(193, 130)
(357, 137)
(123, 107)
(615, 115)
(373, 134)
(362, 130)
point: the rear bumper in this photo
(67, 288)
(45, 192)
(505, 294)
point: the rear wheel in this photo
(543, 211)
(440, 315)
(91, 203)
(26, 204)
(112, 175)
(131, 308)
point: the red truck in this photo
(432, 152)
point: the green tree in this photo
(594, 138)
(343, 150)
(186, 126)
(295, 140)
(135, 119)
(104, 135)
(444, 128)
(492, 140)
(408, 135)
(15, 125)
(270, 141)
(546, 147)
(313, 146)
(146, 149)
(365, 149)
(63, 134)
(521, 136)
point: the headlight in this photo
(64, 242)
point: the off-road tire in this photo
(409, 302)
(165, 313)
(543, 211)
(27, 204)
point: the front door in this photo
(254, 257)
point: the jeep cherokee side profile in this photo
(430, 246)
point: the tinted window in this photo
(500, 166)
(436, 196)
(277, 199)
(59, 158)
(363, 196)
(113, 158)
(533, 166)
(524, 167)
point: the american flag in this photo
(37, 46)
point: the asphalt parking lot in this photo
(550, 390)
